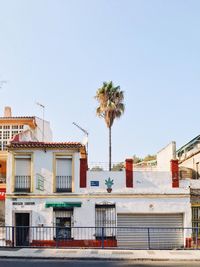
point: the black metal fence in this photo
(100, 237)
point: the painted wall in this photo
(48, 136)
(43, 169)
(143, 182)
(165, 155)
(85, 215)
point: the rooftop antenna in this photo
(84, 131)
(43, 109)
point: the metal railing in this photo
(64, 183)
(100, 237)
(22, 183)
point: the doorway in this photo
(22, 223)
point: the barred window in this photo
(105, 216)
(196, 218)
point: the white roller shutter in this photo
(23, 166)
(133, 231)
(63, 166)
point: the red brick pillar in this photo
(129, 172)
(175, 173)
(83, 173)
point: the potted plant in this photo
(109, 183)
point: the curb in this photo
(97, 259)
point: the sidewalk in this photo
(142, 255)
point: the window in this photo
(15, 127)
(105, 217)
(23, 173)
(63, 174)
(197, 170)
(4, 145)
(6, 127)
(196, 218)
(14, 133)
(0, 134)
(6, 135)
(63, 222)
(21, 127)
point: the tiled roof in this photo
(44, 145)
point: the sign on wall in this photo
(40, 182)
(94, 183)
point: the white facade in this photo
(152, 193)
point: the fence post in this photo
(149, 241)
(102, 238)
(13, 236)
(197, 238)
(56, 237)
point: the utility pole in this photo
(84, 131)
(43, 109)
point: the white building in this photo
(10, 126)
(49, 186)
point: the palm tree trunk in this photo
(110, 157)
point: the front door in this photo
(22, 222)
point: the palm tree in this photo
(111, 106)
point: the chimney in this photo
(7, 112)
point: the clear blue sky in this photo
(59, 52)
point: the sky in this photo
(59, 52)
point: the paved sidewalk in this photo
(151, 255)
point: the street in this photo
(88, 263)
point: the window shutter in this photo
(23, 166)
(63, 167)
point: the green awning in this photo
(63, 204)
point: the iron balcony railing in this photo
(100, 237)
(64, 183)
(23, 183)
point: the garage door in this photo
(150, 231)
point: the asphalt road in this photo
(85, 263)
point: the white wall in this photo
(85, 215)
(39, 130)
(165, 155)
(43, 165)
(143, 182)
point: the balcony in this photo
(64, 184)
(23, 183)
